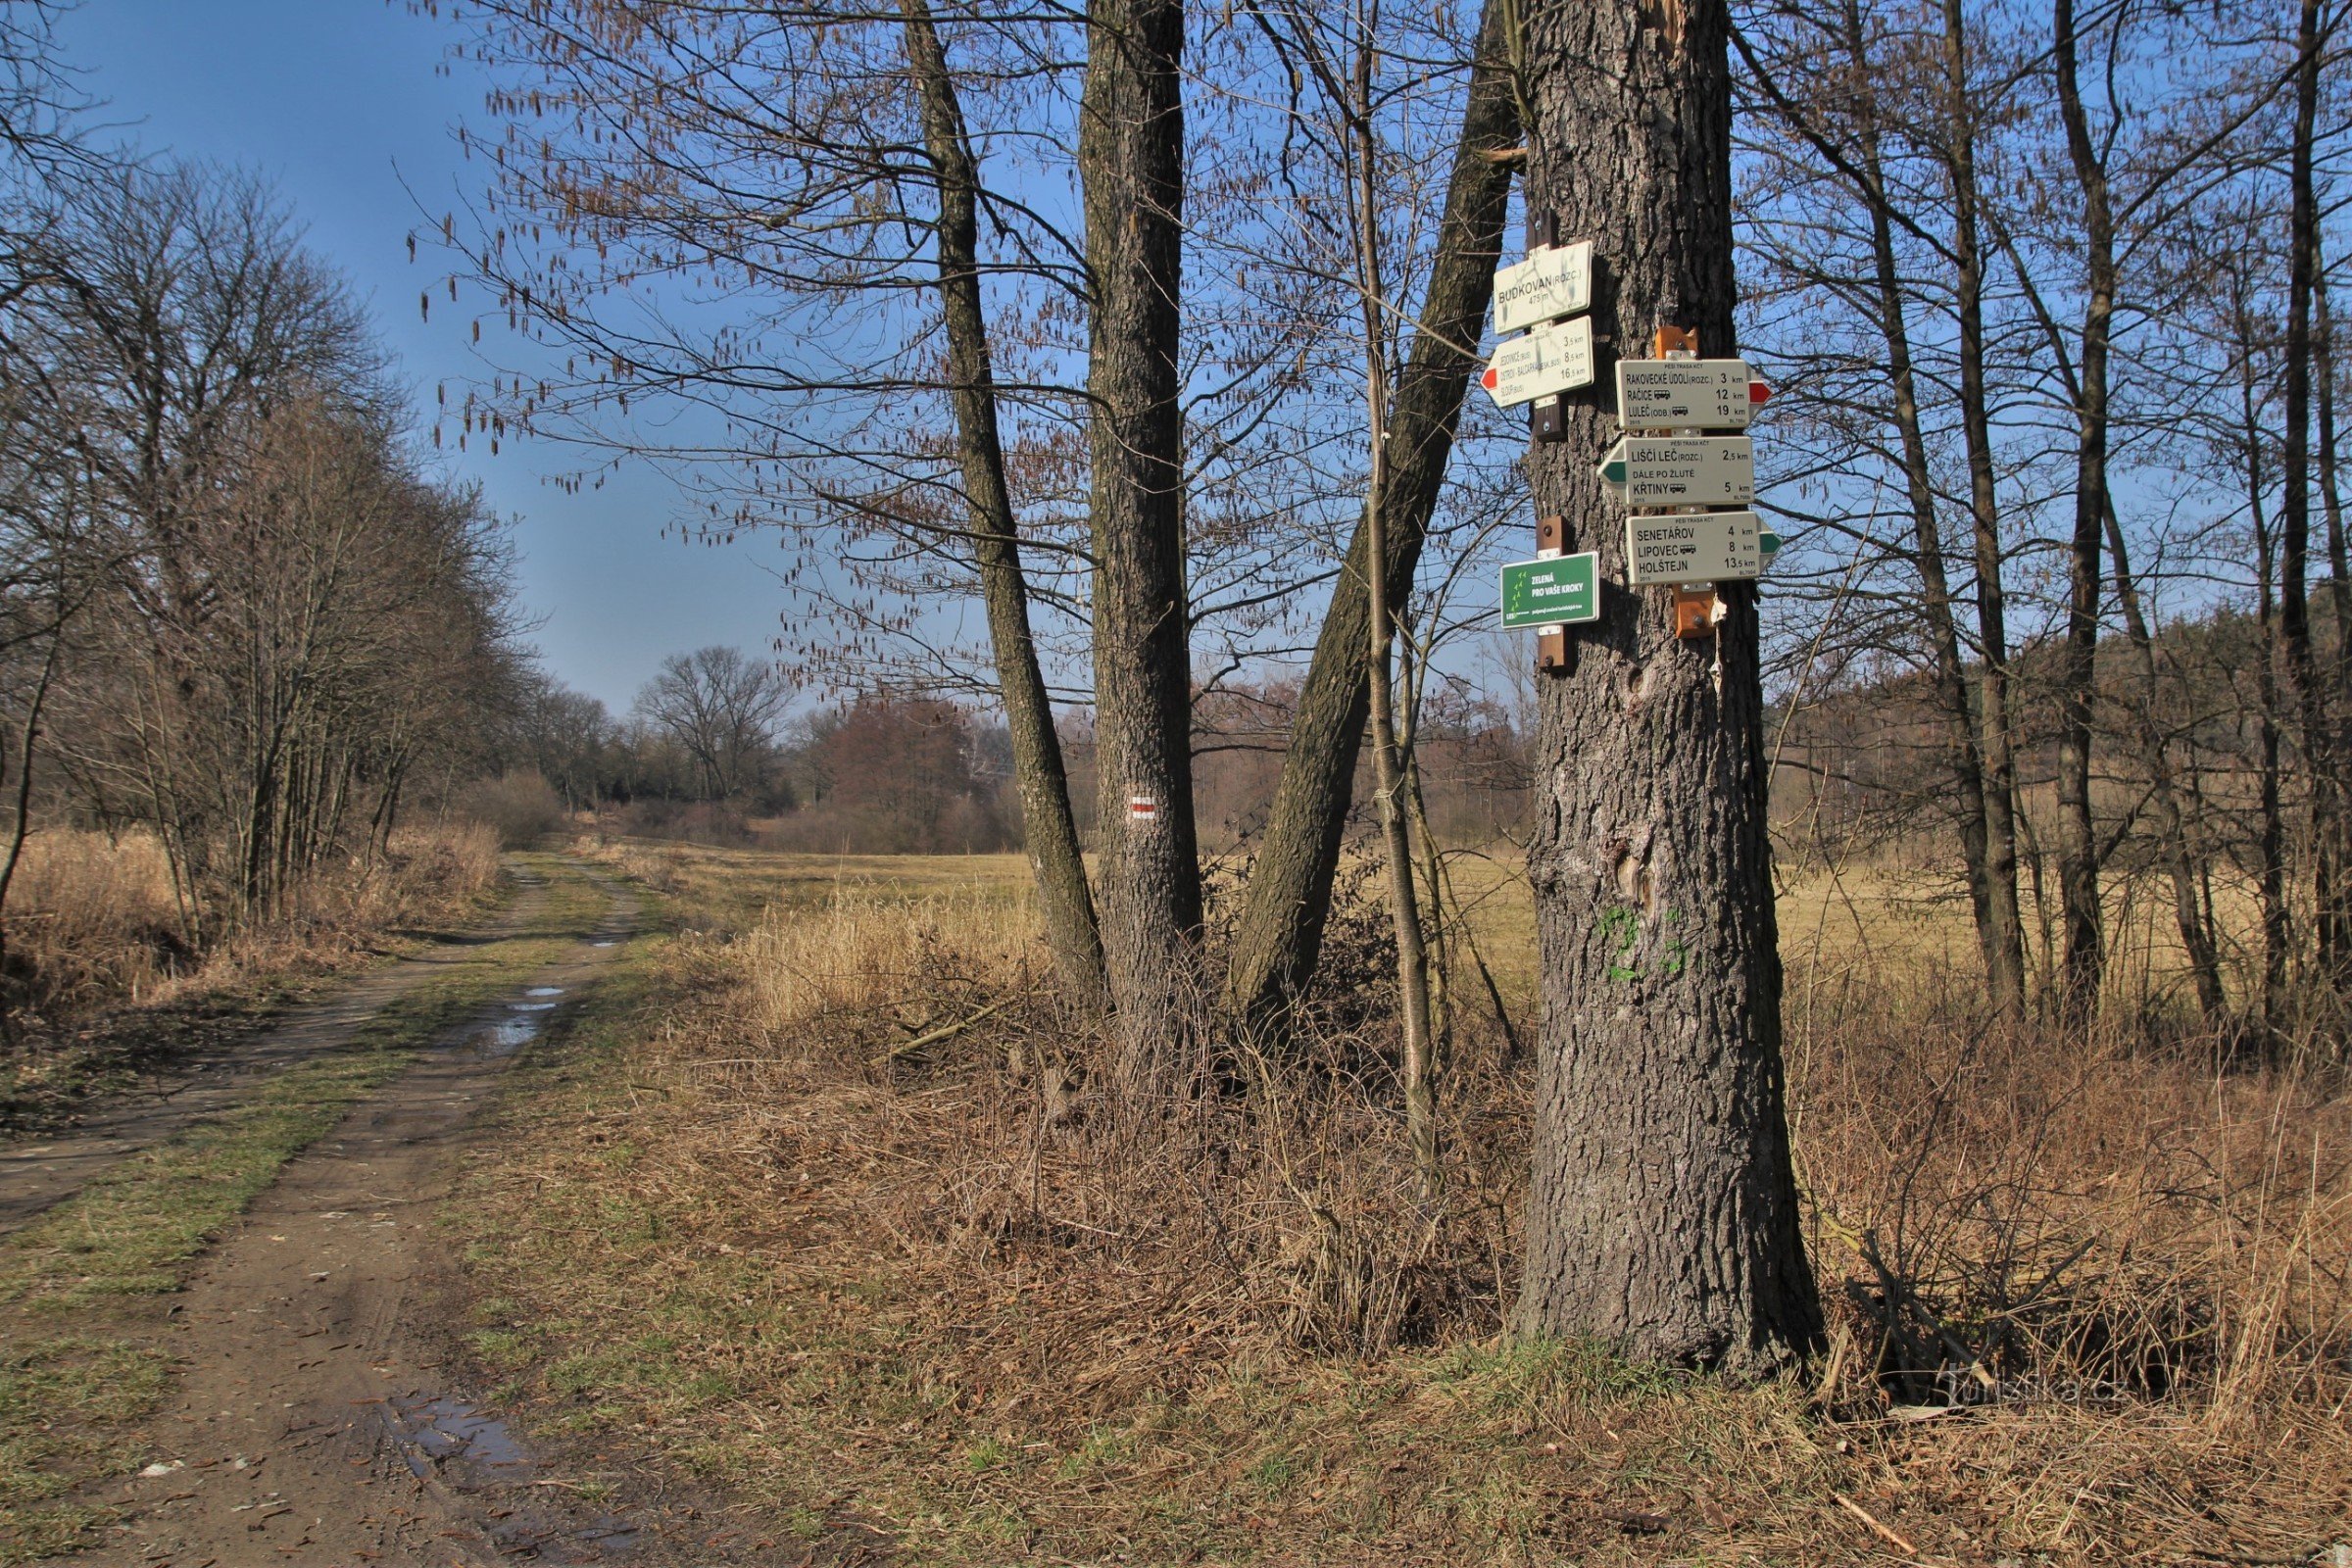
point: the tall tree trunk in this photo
(1131, 166)
(1984, 517)
(2000, 934)
(2269, 866)
(2164, 800)
(1049, 826)
(2084, 956)
(1387, 765)
(2336, 928)
(2319, 761)
(1279, 933)
(1662, 1216)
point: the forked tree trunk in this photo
(1662, 1217)
(2085, 959)
(1131, 166)
(1278, 934)
(1048, 827)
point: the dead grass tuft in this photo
(92, 920)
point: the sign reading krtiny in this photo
(1555, 591)
(1683, 470)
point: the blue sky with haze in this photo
(340, 101)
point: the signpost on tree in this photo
(1662, 1215)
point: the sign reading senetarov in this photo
(1555, 591)
(1708, 394)
(1697, 547)
(1553, 281)
(1694, 470)
(1550, 358)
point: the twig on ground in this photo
(1876, 1527)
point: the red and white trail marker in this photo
(1141, 807)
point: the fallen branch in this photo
(1877, 1529)
(944, 1032)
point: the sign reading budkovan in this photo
(1554, 281)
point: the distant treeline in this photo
(708, 752)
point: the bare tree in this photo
(723, 708)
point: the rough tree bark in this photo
(1662, 1216)
(1278, 934)
(1130, 168)
(1048, 827)
(2085, 952)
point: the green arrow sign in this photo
(1556, 591)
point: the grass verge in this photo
(78, 1284)
(736, 1226)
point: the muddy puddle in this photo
(438, 1436)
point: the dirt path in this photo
(40, 1171)
(314, 1422)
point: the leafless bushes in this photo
(242, 621)
(2005, 1220)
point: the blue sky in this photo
(341, 102)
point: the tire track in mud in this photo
(314, 1420)
(39, 1172)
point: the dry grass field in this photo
(100, 976)
(821, 1208)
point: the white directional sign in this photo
(1554, 281)
(1550, 358)
(1694, 470)
(1710, 394)
(1697, 547)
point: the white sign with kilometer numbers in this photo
(1689, 471)
(1704, 394)
(1557, 357)
(1554, 281)
(1697, 547)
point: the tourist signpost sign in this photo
(1555, 591)
(1552, 358)
(1686, 394)
(1683, 471)
(1674, 473)
(1554, 281)
(1696, 547)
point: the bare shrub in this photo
(521, 808)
